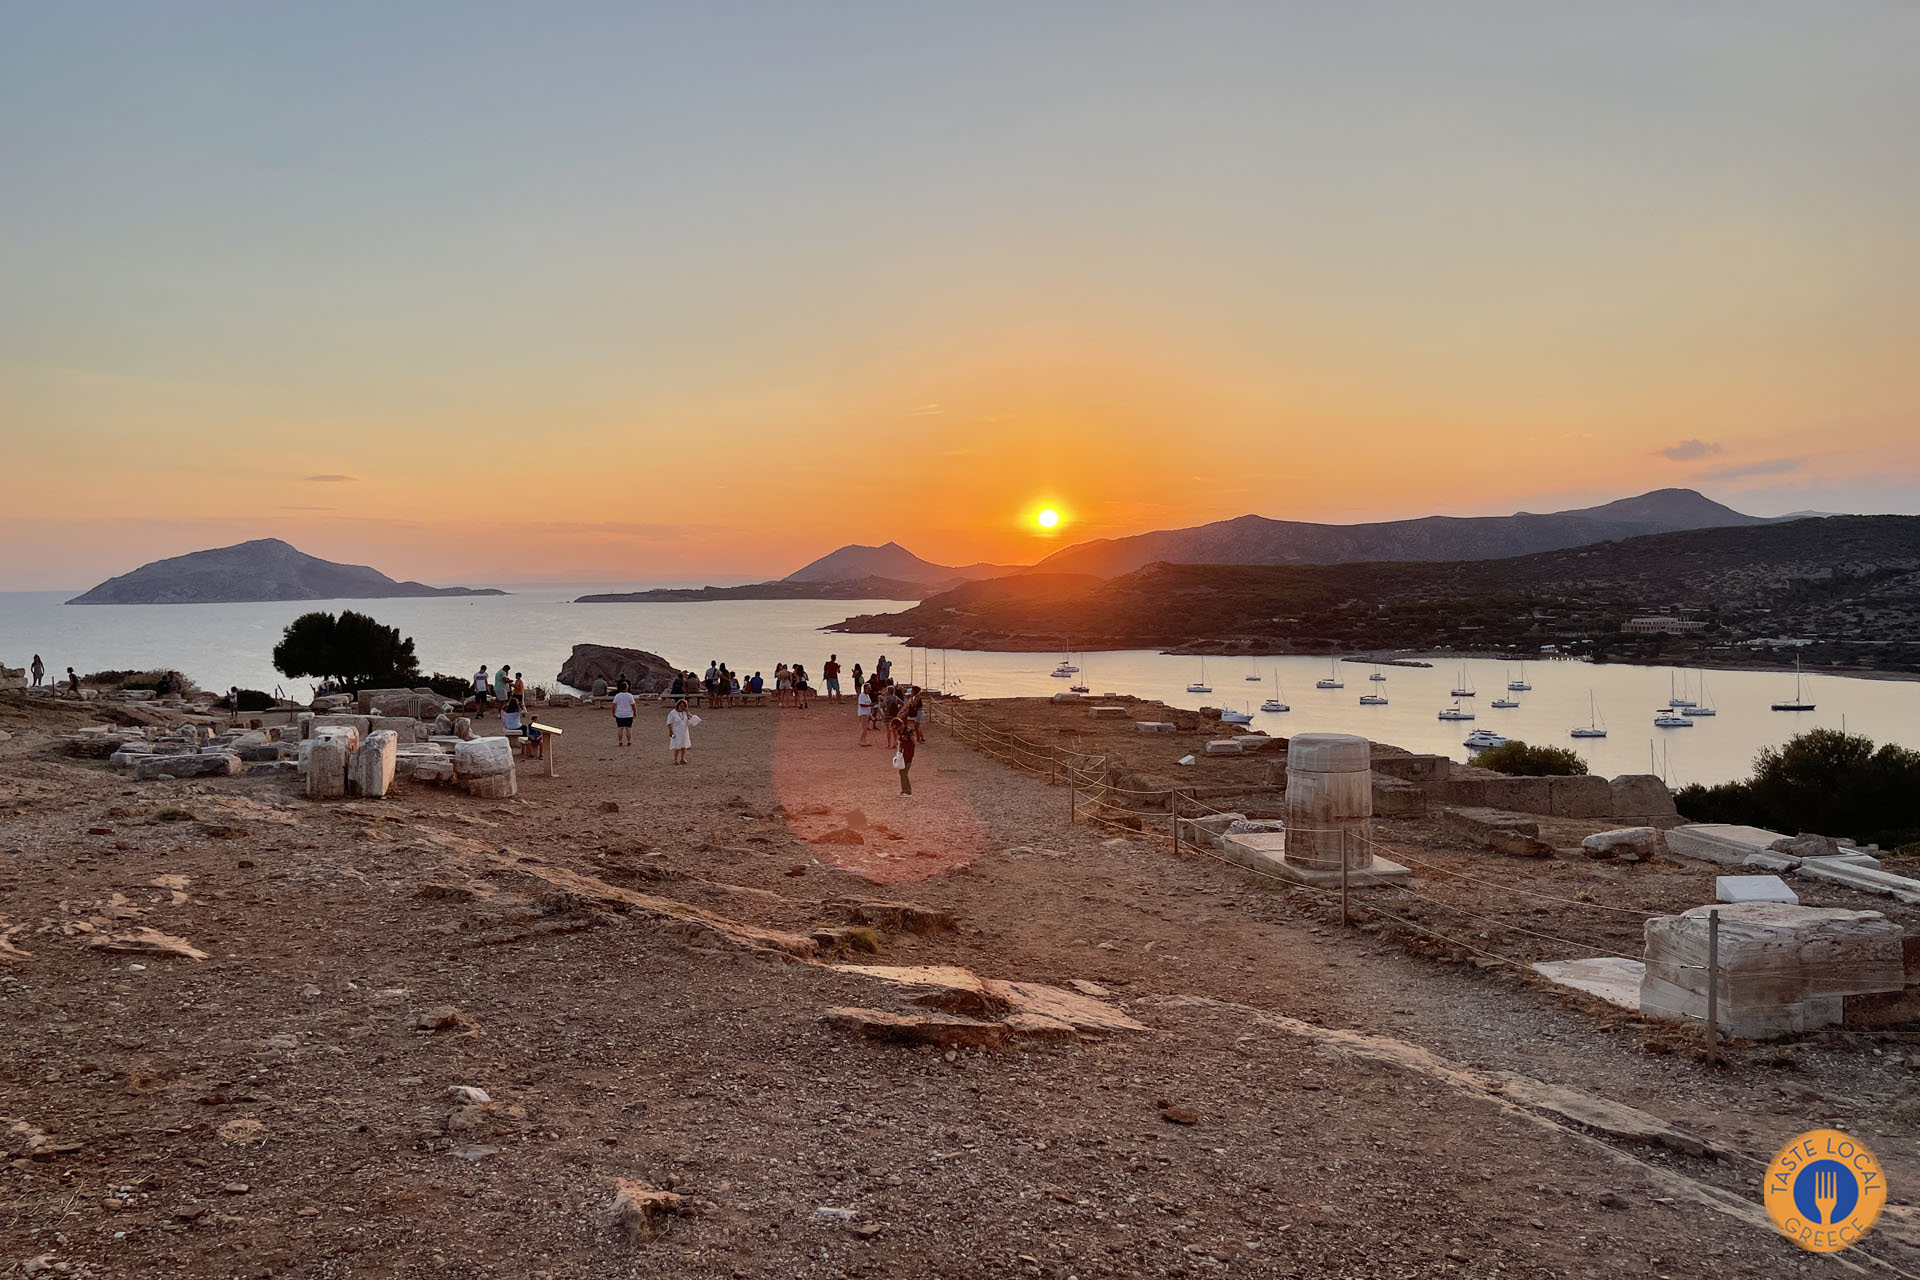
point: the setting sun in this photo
(1048, 519)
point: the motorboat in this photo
(1520, 685)
(1230, 716)
(1799, 702)
(1455, 712)
(1592, 728)
(1065, 670)
(1503, 704)
(1481, 739)
(1670, 718)
(1464, 689)
(1201, 685)
(1332, 679)
(1372, 700)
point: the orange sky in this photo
(531, 309)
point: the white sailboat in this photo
(1704, 707)
(1455, 712)
(1520, 685)
(1332, 679)
(1201, 685)
(1464, 689)
(1799, 702)
(1593, 728)
(1670, 718)
(1252, 677)
(1503, 704)
(1373, 700)
(1378, 677)
(1278, 701)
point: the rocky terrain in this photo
(636, 1021)
(264, 569)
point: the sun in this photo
(1048, 519)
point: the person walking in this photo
(903, 754)
(831, 674)
(680, 724)
(39, 671)
(73, 683)
(482, 686)
(623, 716)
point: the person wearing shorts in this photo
(623, 715)
(831, 673)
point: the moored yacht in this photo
(1455, 712)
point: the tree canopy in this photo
(352, 650)
(1823, 781)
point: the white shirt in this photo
(623, 704)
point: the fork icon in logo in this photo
(1826, 1193)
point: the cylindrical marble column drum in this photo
(1329, 800)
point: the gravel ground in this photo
(279, 1109)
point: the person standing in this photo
(482, 685)
(39, 671)
(884, 670)
(520, 689)
(865, 711)
(903, 753)
(680, 724)
(831, 674)
(503, 682)
(623, 716)
(859, 680)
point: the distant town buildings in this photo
(1662, 626)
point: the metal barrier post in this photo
(1173, 818)
(1713, 988)
(1344, 919)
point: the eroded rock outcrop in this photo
(645, 672)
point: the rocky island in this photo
(264, 569)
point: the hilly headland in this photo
(1844, 591)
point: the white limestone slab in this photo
(1721, 842)
(1753, 889)
(1614, 979)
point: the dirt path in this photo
(279, 1108)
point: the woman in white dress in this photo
(680, 724)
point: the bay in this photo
(535, 627)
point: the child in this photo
(680, 723)
(536, 741)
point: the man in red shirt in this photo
(832, 673)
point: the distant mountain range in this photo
(1258, 540)
(894, 563)
(264, 569)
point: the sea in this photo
(533, 628)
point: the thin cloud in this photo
(333, 479)
(1689, 450)
(288, 508)
(1770, 467)
(925, 411)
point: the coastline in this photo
(1241, 648)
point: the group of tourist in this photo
(510, 691)
(897, 711)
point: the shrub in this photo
(163, 682)
(459, 688)
(255, 700)
(351, 650)
(1521, 760)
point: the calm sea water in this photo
(534, 629)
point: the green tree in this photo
(352, 650)
(1823, 781)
